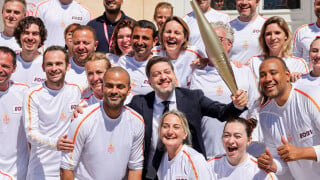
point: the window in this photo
(267, 4)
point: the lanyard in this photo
(107, 36)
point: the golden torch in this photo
(214, 48)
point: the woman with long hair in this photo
(275, 40)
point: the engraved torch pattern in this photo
(214, 48)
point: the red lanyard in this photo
(107, 36)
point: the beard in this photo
(113, 11)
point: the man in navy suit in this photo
(192, 103)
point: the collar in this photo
(172, 98)
(103, 18)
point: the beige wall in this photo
(137, 9)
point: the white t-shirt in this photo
(14, 147)
(10, 42)
(213, 86)
(294, 64)
(77, 75)
(47, 116)
(56, 17)
(5, 176)
(298, 120)
(31, 6)
(246, 39)
(248, 169)
(114, 59)
(309, 80)
(212, 16)
(137, 72)
(90, 99)
(187, 164)
(302, 39)
(181, 65)
(105, 147)
(30, 73)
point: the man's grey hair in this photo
(226, 27)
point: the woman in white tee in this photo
(180, 161)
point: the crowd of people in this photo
(118, 98)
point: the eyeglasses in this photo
(221, 38)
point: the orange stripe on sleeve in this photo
(192, 51)
(36, 11)
(217, 157)
(193, 167)
(309, 97)
(30, 117)
(20, 84)
(135, 114)
(7, 175)
(77, 130)
(269, 174)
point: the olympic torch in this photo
(214, 48)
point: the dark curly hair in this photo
(25, 23)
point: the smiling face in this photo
(124, 40)
(161, 15)
(172, 132)
(95, 71)
(274, 80)
(275, 38)
(12, 13)
(115, 89)
(173, 36)
(162, 79)
(235, 142)
(142, 43)
(68, 37)
(112, 6)
(55, 67)
(314, 55)
(30, 38)
(84, 45)
(247, 9)
(6, 69)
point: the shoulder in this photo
(216, 159)
(254, 59)
(133, 115)
(19, 86)
(189, 92)
(73, 87)
(308, 92)
(88, 113)
(193, 158)
(42, 6)
(96, 21)
(188, 16)
(193, 50)
(304, 27)
(35, 89)
(259, 173)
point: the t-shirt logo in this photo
(306, 134)
(38, 80)
(110, 148)
(72, 107)
(16, 109)
(63, 116)
(245, 45)
(219, 90)
(5, 118)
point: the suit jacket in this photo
(193, 104)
